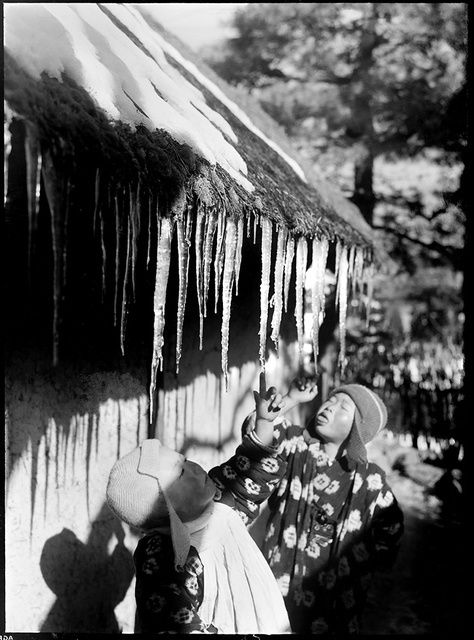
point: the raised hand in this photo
(268, 402)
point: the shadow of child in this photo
(88, 582)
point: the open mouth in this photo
(322, 418)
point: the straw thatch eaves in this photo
(105, 94)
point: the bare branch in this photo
(451, 253)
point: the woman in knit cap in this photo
(333, 518)
(197, 567)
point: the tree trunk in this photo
(362, 126)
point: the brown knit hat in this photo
(370, 418)
(136, 493)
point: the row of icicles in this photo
(352, 270)
(222, 256)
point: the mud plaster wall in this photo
(67, 557)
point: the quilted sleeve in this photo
(168, 600)
(249, 476)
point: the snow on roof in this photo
(131, 83)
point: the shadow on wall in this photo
(88, 582)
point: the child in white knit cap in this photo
(197, 568)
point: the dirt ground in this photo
(425, 591)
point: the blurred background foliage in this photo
(374, 96)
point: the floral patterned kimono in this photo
(331, 523)
(226, 586)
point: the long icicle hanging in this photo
(278, 285)
(320, 256)
(231, 239)
(117, 252)
(266, 251)
(33, 184)
(54, 187)
(124, 305)
(134, 214)
(338, 258)
(290, 252)
(238, 253)
(301, 261)
(370, 290)
(163, 257)
(219, 257)
(7, 148)
(198, 240)
(210, 231)
(96, 199)
(183, 236)
(150, 213)
(342, 304)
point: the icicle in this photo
(117, 255)
(255, 222)
(199, 267)
(103, 252)
(139, 207)
(342, 303)
(163, 255)
(33, 184)
(266, 248)
(248, 222)
(278, 284)
(211, 222)
(301, 260)
(231, 240)
(123, 315)
(238, 253)
(320, 255)
(338, 258)
(219, 257)
(148, 240)
(134, 233)
(183, 233)
(290, 252)
(54, 188)
(96, 199)
(370, 290)
(7, 148)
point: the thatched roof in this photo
(104, 87)
(226, 144)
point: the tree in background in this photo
(357, 83)
(374, 95)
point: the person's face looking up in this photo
(334, 419)
(190, 489)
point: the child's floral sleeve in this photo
(249, 477)
(168, 600)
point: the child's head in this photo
(151, 478)
(352, 414)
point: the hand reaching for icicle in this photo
(268, 403)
